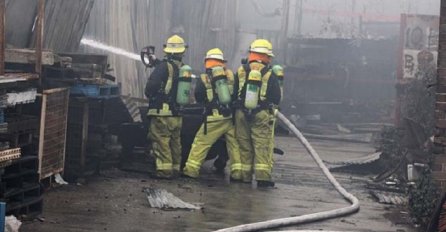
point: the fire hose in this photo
(353, 208)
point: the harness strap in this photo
(243, 72)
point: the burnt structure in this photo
(340, 79)
(439, 167)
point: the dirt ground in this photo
(114, 201)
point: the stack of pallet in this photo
(85, 75)
(92, 96)
(19, 162)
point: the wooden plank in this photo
(67, 99)
(82, 58)
(42, 131)
(51, 91)
(28, 56)
(19, 76)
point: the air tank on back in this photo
(221, 85)
(252, 89)
(184, 85)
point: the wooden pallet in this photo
(53, 132)
(10, 154)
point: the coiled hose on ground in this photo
(353, 208)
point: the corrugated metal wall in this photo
(131, 25)
(20, 15)
(206, 24)
(111, 23)
(151, 22)
(64, 23)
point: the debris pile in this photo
(404, 153)
(408, 150)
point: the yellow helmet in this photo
(262, 46)
(175, 44)
(215, 54)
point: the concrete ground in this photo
(114, 201)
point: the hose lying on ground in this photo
(353, 208)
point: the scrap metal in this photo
(390, 198)
(160, 198)
(355, 162)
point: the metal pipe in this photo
(353, 208)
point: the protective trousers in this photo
(165, 133)
(203, 143)
(255, 135)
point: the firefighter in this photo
(259, 95)
(215, 90)
(165, 122)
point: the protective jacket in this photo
(270, 92)
(255, 127)
(205, 93)
(162, 87)
(218, 123)
(165, 125)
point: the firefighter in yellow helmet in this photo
(216, 91)
(259, 95)
(165, 122)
